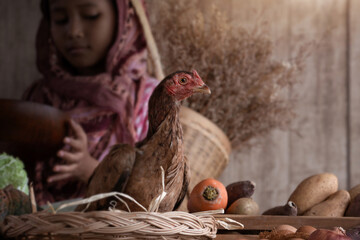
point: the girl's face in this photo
(83, 31)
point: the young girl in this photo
(92, 54)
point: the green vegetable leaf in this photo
(12, 172)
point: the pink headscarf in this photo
(111, 106)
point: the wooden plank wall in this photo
(287, 158)
(18, 25)
(353, 92)
(329, 105)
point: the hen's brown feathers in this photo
(163, 148)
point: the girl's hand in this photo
(79, 163)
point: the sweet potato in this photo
(289, 209)
(241, 189)
(353, 209)
(243, 206)
(313, 190)
(334, 206)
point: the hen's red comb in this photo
(196, 75)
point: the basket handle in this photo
(153, 50)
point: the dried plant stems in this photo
(249, 88)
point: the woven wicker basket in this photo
(114, 224)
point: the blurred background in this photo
(324, 136)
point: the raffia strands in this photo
(110, 225)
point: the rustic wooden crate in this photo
(256, 224)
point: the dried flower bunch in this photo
(249, 88)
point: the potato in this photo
(334, 206)
(243, 206)
(285, 227)
(354, 191)
(313, 190)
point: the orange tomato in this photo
(209, 194)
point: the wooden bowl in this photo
(28, 128)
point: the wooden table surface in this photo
(236, 237)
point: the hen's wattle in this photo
(136, 171)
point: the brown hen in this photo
(136, 170)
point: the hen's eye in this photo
(183, 80)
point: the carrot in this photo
(209, 194)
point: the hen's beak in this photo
(202, 89)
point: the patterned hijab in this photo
(110, 106)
